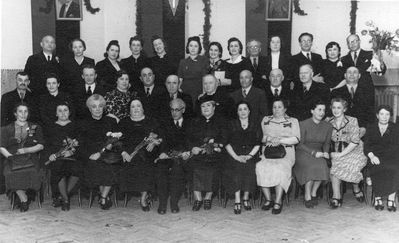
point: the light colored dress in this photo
(347, 168)
(274, 172)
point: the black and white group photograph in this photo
(199, 121)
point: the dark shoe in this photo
(105, 203)
(57, 202)
(65, 205)
(378, 204)
(309, 204)
(237, 208)
(359, 196)
(161, 211)
(175, 209)
(315, 200)
(268, 205)
(247, 205)
(277, 210)
(391, 206)
(335, 203)
(207, 204)
(24, 206)
(148, 203)
(197, 205)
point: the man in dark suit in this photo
(70, 9)
(172, 86)
(154, 97)
(253, 95)
(277, 89)
(41, 63)
(307, 93)
(306, 56)
(361, 59)
(257, 64)
(170, 175)
(84, 90)
(359, 96)
(137, 61)
(18, 95)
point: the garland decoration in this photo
(207, 23)
(48, 8)
(90, 8)
(352, 23)
(297, 9)
(139, 19)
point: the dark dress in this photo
(48, 107)
(317, 138)
(54, 142)
(162, 68)
(10, 99)
(93, 137)
(205, 166)
(385, 176)
(332, 72)
(106, 74)
(224, 104)
(28, 178)
(234, 70)
(192, 71)
(138, 175)
(133, 67)
(237, 175)
(71, 72)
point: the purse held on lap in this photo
(276, 152)
(20, 161)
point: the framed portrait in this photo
(278, 10)
(68, 9)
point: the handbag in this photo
(276, 152)
(20, 161)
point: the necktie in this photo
(147, 92)
(308, 56)
(48, 58)
(255, 64)
(352, 92)
(22, 95)
(177, 124)
(275, 92)
(355, 57)
(244, 93)
(305, 90)
(172, 97)
(89, 91)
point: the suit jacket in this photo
(71, 72)
(133, 67)
(162, 68)
(284, 63)
(361, 106)
(79, 98)
(175, 137)
(257, 100)
(106, 74)
(303, 102)
(156, 105)
(260, 71)
(48, 106)
(8, 102)
(73, 11)
(224, 104)
(299, 59)
(285, 94)
(36, 67)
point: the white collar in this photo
(275, 53)
(151, 88)
(46, 55)
(352, 85)
(247, 89)
(238, 60)
(180, 121)
(279, 88)
(92, 86)
(306, 52)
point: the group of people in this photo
(151, 126)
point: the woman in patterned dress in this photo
(277, 129)
(347, 156)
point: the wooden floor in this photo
(354, 222)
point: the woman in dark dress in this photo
(72, 65)
(160, 64)
(137, 174)
(217, 66)
(193, 68)
(236, 63)
(312, 152)
(107, 69)
(381, 147)
(278, 59)
(65, 169)
(206, 137)
(243, 144)
(22, 140)
(332, 70)
(96, 132)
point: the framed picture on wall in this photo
(68, 9)
(278, 10)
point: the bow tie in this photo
(287, 125)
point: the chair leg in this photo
(226, 198)
(260, 197)
(125, 200)
(79, 198)
(38, 196)
(13, 197)
(115, 198)
(253, 204)
(91, 198)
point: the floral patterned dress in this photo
(117, 103)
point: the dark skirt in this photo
(385, 177)
(204, 179)
(99, 173)
(65, 168)
(239, 176)
(137, 176)
(29, 178)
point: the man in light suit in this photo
(254, 96)
(70, 9)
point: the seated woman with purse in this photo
(280, 134)
(21, 142)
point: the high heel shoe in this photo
(309, 203)
(24, 206)
(207, 204)
(392, 207)
(277, 210)
(197, 205)
(105, 203)
(237, 208)
(335, 203)
(359, 198)
(378, 204)
(315, 200)
(247, 205)
(66, 206)
(268, 205)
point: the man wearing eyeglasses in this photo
(171, 163)
(257, 63)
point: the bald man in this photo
(39, 64)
